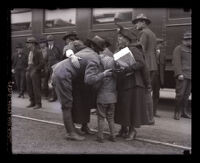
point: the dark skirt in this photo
(130, 108)
(83, 100)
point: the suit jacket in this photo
(54, 56)
(38, 60)
(19, 63)
(148, 41)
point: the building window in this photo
(60, 18)
(107, 15)
(179, 13)
(21, 19)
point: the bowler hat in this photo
(141, 17)
(128, 34)
(42, 40)
(50, 38)
(19, 45)
(69, 33)
(98, 41)
(31, 40)
(187, 35)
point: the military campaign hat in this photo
(69, 33)
(98, 41)
(19, 45)
(141, 17)
(187, 35)
(31, 40)
(50, 38)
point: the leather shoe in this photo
(112, 138)
(75, 137)
(186, 116)
(30, 105)
(86, 130)
(37, 107)
(132, 136)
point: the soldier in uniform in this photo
(182, 70)
(63, 76)
(33, 74)
(147, 39)
(19, 64)
(54, 56)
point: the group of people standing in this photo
(86, 76)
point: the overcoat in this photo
(130, 108)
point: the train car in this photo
(168, 24)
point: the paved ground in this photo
(30, 136)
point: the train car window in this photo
(60, 18)
(179, 13)
(107, 15)
(21, 20)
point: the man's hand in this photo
(75, 61)
(13, 71)
(107, 72)
(180, 77)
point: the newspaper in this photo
(124, 57)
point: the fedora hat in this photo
(141, 17)
(19, 45)
(98, 41)
(42, 40)
(187, 35)
(50, 38)
(31, 40)
(69, 33)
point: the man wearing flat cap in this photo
(19, 65)
(33, 74)
(64, 74)
(54, 56)
(182, 71)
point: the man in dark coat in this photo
(182, 71)
(19, 64)
(63, 76)
(44, 73)
(159, 76)
(131, 109)
(54, 56)
(33, 74)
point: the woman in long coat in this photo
(132, 84)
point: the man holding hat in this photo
(182, 71)
(54, 56)
(19, 64)
(33, 74)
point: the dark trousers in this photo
(33, 80)
(155, 84)
(183, 90)
(105, 111)
(20, 80)
(45, 86)
(53, 91)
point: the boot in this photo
(86, 129)
(132, 135)
(75, 136)
(185, 114)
